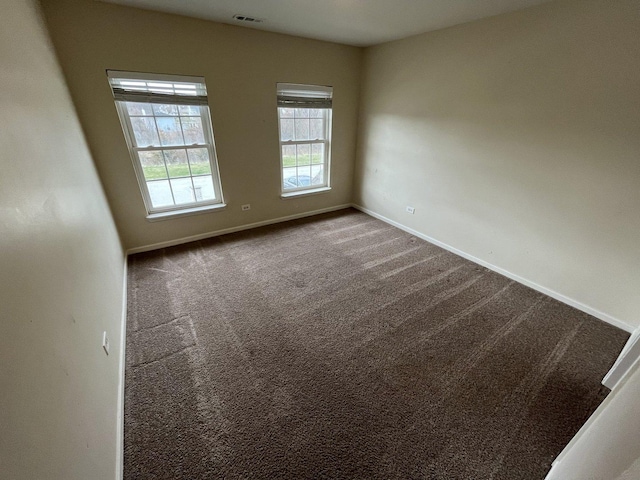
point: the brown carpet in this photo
(338, 347)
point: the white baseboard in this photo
(617, 373)
(121, 359)
(551, 473)
(248, 226)
(591, 420)
(629, 356)
(614, 377)
(551, 293)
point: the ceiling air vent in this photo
(246, 18)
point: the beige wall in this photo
(241, 67)
(61, 273)
(517, 140)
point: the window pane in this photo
(317, 175)
(302, 129)
(152, 165)
(135, 108)
(304, 176)
(286, 129)
(303, 154)
(203, 188)
(317, 153)
(286, 112)
(177, 163)
(182, 190)
(160, 193)
(289, 178)
(288, 155)
(144, 131)
(316, 129)
(301, 112)
(189, 109)
(162, 110)
(192, 130)
(170, 131)
(199, 161)
(315, 113)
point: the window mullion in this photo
(184, 142)
(326, 127)
(170, 147)
(129, 136)
(207, 131)
(164, 160)
(298, 142)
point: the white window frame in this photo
(310, 92)
(125, 119)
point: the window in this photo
(167, 127)
(304, 114)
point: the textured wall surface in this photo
(517, 140)
(61, 273)
(241, 67)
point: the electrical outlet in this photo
(105, 342)
(411, 210)
(246, 207)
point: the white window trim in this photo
(172, 211)
(156, 217)
(304, 193)
(308, 91)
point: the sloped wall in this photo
(61, 273)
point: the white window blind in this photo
(304, 96)
(134, 87)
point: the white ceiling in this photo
(352, 22)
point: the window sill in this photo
(156, 217)
(304, 193)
